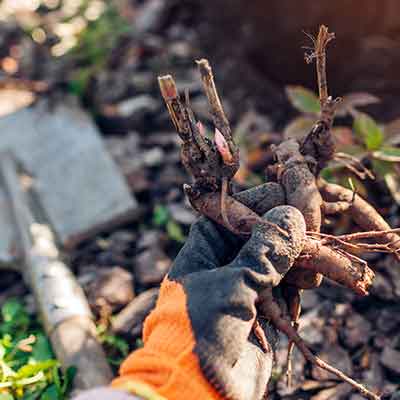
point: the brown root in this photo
(336, 266)
(361, 211)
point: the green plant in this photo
(366, 139)
(28, 368)
(116, 347)
(162, 218)
(94, 46)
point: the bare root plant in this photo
(212, 165)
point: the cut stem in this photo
(170, 94)
(218, 114)
(324, 37)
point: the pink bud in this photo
(222, 147)
(201, 129)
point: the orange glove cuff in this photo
(166, 362)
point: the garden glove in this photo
(198, 341)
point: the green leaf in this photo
(174, 231)
(32, 369)
(369, 131)
(160, 215)
(15, 318)
(11, 309)
(303, 99)
(42, 348)
(56, 377)
(68, 379)
(32, 379)
(51, 393)
(391, 154)
(117, 342)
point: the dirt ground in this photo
(119, 88)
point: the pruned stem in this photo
(218, 114)
(175, 108)
(319, 53)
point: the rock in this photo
(380, 341)
(382, 288)
(390, 359)
(163, 139)
(395, 395)
(110, 258)
(180, 49)
(338, 392)
(130, 319)
(139, 180)
(172, 176)
(334, 355)
(388, 319)
(149, 16)
(128, 155)
(182, 214)
(392, 269)
(309, 300)
(150, 239)
(153, 157)
(81, 190)
(113, 286)
(137, 105)
(311, 325)
(151, 266)
(373, 376)
(143, 81)
(357, 397)
(123, 149)
(122, 241)
(357, 331)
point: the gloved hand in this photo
(198, 341)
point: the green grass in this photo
(28, 368)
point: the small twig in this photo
(354, 165)
(319, 143)
(367, 247)
(319, 53)
(369, 234)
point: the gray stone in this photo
(182, 214)
(390, 359)
(136, 105)
(357, 331)
(112, 287)
(151, 266)
(334, 355)
(78, 185)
